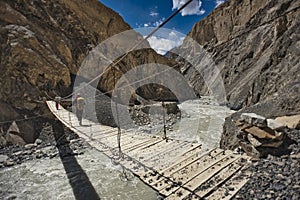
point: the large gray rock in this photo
(254, 119)
(3, 158)
(275, 125)
(289, 121)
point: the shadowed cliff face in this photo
(255, 44)
(43, 44)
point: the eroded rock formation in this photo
(255, 45)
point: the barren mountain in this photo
(255, 45)
(43, 44)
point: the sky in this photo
(144, 14)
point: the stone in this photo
(274, 144)
(172, 108)
(275, 125)
(9, 163)
(253, 141)
(260, 133)
(38, 141)
(254, 119)
(3, 158)
(30, 146)
(249, 149)
(292, 122)
(18, 153)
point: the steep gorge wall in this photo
(255, 44)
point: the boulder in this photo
(275, 125)
(254, 119)
(266, 133)
(249, 149)
(172, 108)
(292, 122)
(12, 139)
(274, 144)
(253, 140)
(260, 141)
(3, 158)
(30, 146)
(38, 141)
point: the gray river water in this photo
(47, 179)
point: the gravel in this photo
(44, 147)
(275, 177)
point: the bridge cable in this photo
(235, 37)
(131, 49)
(217, 45)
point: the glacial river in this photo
(47, 179)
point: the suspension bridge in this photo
(175, 169)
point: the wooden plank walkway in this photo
(175, 169)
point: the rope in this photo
(163, 23)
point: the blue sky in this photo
(150, 13)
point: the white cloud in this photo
(146, 25)
(163, 45)
(153, 14)
(219, 2)
(157, 23)
(194, 8)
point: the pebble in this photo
(274, 177)
(9, 163)
(38, 141)
(30, 146)
(17, 155)
(3, 158)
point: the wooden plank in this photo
(183, 176)
(176, 169)
(192, 153)
(164, 159)
(179, 156)
(162, 150)
(139, 144)
(188, 157)
(202, 177)
(144, 149)
(217, 180)
(230, 188)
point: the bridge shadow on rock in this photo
(79, 181)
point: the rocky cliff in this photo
(255, 44)
(43, 44)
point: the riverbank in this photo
(272, 177)
(275, 177)
(44, 147)
(69, 169)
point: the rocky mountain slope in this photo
(255, 44)
(43, 44)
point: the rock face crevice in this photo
(255, 44)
